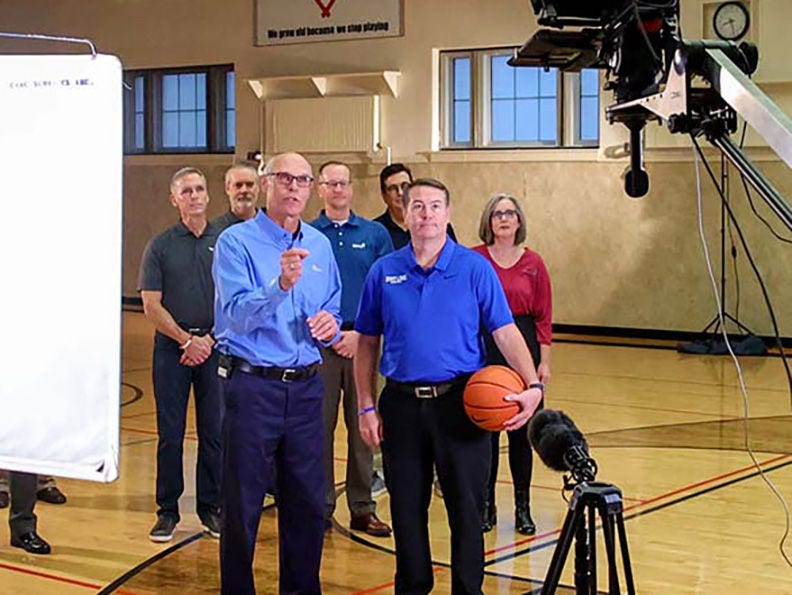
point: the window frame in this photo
(216, 110)
(568, 124)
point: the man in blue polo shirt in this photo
(357, 243)
(429, 301)
(277, 301)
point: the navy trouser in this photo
(172, 383)
(270, 421)
(419, 434)
(22, 519)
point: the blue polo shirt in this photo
(356, 245)
(431, 319)
(254, 318)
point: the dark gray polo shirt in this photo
(180, 266)
(227, 219)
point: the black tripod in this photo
(588, 498)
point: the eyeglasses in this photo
(394, 188)
(336, 184)
(284, 178)
(507, 214)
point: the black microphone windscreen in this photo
(552, 435)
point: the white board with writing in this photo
(305, 21)
(60, 260)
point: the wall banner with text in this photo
(304, 21)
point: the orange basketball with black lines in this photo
(484, 394)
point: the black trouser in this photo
(420, 434)
(22, 519)
(172, 383)
(520, 452)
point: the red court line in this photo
(152, 432)
(54, 577)
(649, 501)
(556, 489)
(712, 480)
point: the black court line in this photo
(648, 510)
(119, 582)
(138, 394)
(612, 343)
(148, 562)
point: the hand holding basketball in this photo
(484, 398)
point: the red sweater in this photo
(527, 288)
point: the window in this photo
(187, 110)
(487, 103)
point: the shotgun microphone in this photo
(561, 446)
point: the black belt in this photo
(425, 390)
(271, 372)
(348, 326)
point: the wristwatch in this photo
(539, 385)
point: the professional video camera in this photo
(650, 70)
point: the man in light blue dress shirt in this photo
(278, 297)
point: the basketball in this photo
(484, 394)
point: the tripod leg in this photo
(583, 554)
(573, 520)
(625, 552)
(592, 546)
(610, 550)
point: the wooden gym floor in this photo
(664, 427)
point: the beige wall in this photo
(614, 261)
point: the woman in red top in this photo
(527, 286)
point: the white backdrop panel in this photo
(60, 261)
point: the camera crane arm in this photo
(630, 45)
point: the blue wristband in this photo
(368, 409)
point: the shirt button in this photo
(340, 243)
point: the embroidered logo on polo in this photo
(395, 279)
(359, 246)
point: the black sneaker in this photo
(163, 529)
(210, 521)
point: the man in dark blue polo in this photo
(429, 301)
(394, 178)
(242, 190)
(177, 291)
(357, 243)
(278, 299)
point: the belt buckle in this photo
(425, 392)
(289, 375)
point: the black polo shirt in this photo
(180, 266)
(401, 237)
